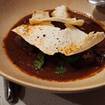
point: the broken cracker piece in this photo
(51, 40)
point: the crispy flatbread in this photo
(60, 11)
(67, 21)
(60, 14)
(51, 40)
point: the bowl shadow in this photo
(94, 97)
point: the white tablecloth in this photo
(40, 97)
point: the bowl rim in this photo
(52, 89)
(56, 89)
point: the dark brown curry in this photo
(74, 67)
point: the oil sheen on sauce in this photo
(23, 54)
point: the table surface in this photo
(40, 97)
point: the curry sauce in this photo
(88, 64)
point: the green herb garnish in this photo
(60, 70)
(39, 61)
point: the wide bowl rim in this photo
(53, 89)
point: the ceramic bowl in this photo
(13, 10)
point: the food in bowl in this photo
(58, 44)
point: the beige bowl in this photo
(13, 10)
